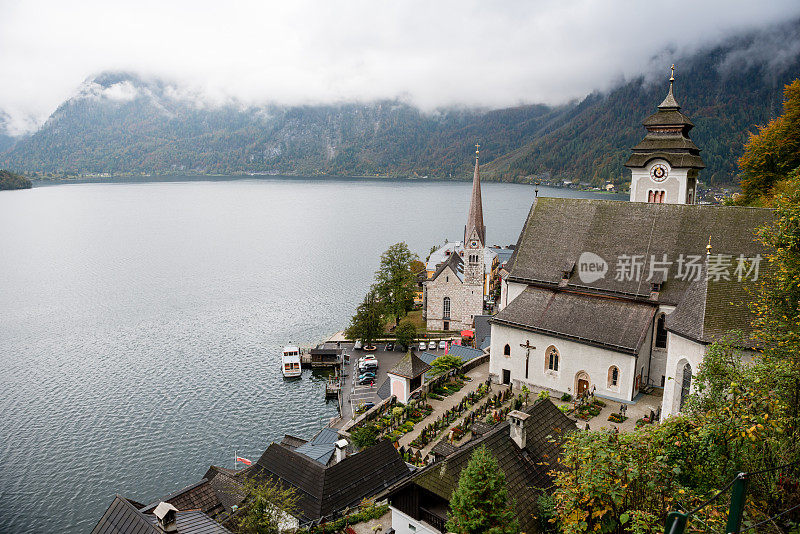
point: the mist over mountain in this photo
(124, 123)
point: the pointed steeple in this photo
(475, 217)
(669, 102)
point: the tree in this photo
(405, 333)
(480, 504)
(445, 363)
(772, 154)
(267, 506)
(367, 323)
(395, 283)
(365, 436)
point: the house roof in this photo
(198, 496)
(482, 327)
(122, 517)
(324, 491)
(453, 262)
(410, 366)
(292, 442)
(320, 448)
(559, 230)
(227, 484)
(385, 390)
(525, 469)
(613, 323)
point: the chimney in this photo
(340, 451)
(165, 514)
(517, 419)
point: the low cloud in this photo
(449, 52)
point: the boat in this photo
(290, 362)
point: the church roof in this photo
(559, 230)
(410, 366)
(613, 323)
(453, 261)
(475, 216)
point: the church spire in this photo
(475, 217)
(670, 102)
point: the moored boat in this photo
(290, 362)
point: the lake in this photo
(141, 321)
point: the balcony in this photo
(433, 519)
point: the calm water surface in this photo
(140, 322)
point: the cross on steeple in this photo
(672, 73)
(477, 149)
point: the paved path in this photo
(478, 375)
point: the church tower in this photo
(665, 164)
(475, 234)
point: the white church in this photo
(618, 297)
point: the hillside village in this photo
(596, 325)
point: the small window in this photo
(613, 376)
(552, 359)
(507, 351)
(661, 332)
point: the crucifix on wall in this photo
(527, 346)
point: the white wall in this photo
(679, 351)
(675, 185)
(574, 358)
(404, 524)
(509, 291)
(399, 387)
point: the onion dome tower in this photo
(664, 166)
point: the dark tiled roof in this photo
(199, 496)
(613, 323)
(324, 491)
(292, 442)
(410, 366)
(526, 470)
(455, 262)
(558, 230)
(444, 448)
(465, 353)
(482, 327)
(321, 446)
(122, 517)
(712, 308)
(193, 522)
(692, 161)
(227, 485)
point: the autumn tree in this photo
(267, 507)
(395, 283)
(367, 323)
(444, 364)
(773, 154)
(480, 503)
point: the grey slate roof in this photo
(482, 327)
(227, 485)
(385, 391)
(558, 230)
(526, 470)
(454, 262)
(122, 517)
(324, 491)
(320, 448)
(465, 353)
(613, 323)
(292, 442)
(410, 366)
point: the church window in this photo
(552, 359)
(661, 332)
(656, 197)
(507, 351)
(613, 376)
(473, 259)
(446, 312)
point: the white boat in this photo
(290, 362)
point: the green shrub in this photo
(566, 397)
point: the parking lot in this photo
(355, 394)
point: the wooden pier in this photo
(333, 387)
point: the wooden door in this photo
(583, 385)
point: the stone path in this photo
(478, 375)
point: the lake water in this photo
(141, 322)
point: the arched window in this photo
(613, 376)
(661, 332)
(507, 351)
(552, 358)
(446, 311)
(686, 385)
(473, 258)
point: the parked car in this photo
(369, 365)
(358, 345)
(432, 345)
(366, 380)
(443, 344)
(366, 375)
(422, 345)
(389, 347)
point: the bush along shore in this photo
(9, 180)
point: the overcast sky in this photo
(430, 52)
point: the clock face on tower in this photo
(473, 244)
(659, 172)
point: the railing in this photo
(432, 519)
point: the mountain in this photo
(7, 141)
(124, 123)
(9, 180)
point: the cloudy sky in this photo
(430, 52)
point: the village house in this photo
(617, 298)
